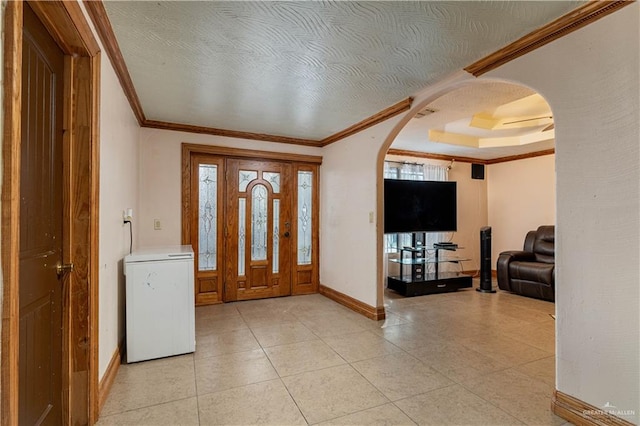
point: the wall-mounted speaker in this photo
(477, 171)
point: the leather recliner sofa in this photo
(530, 272)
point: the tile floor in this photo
(450, 359)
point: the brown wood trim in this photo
(93, 249)
(578, 18)
(163, 125)
(110, 376)
(580, 413)
(98, 15)
(520, 156)
(368, 311)
(189, 148)
(11, 137)
(381, 116)
(416, 154)
(426, 155)
(65, 22)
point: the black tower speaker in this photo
(485, 260)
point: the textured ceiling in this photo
(304, 69)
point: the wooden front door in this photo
(258, 229)
(41, 233)
(252, 220)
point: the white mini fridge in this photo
(159, 302)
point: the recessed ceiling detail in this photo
(489, 142)
(523, 121)
(482, 120)
(530, 111)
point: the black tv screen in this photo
(419, 206)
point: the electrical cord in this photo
(130, 236)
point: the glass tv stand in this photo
(420, 274)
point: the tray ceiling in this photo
(304, 69)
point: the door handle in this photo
(286, 234)
(62, 269)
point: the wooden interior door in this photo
(258, 229)
(41, 233)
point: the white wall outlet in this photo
(127, 215)
(157, 226)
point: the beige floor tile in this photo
(527, 399)
(400, 375)
(226, 310)
(408, 336)
(540, 335)
(219, 325)
(225, 343)
(456, 361)
(268, 317)
(384, 415)
(150, 383)
(504, 350)
(178, 413)
(299, 357)
(542, 369)
(266, 403)
(333, 324)
(332, 392)
(360, 346)
(282, 334)
(453, 405)
(229, 371)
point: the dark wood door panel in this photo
(41, 233)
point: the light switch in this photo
(370, 217)
(157, 226)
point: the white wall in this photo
(590, 79)
(521, 196)
(119, 158)
(161, 177)
(348, 195)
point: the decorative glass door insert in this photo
(205, 227)
(258, 229)
(253, 226)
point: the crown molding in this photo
(520, 156)
(163, 125)
(98, 15)
(577, 18)
(443, 157)
(381, 116)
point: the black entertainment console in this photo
(418, 280)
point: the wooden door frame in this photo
(67, 25)
(195, 149)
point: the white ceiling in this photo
(306, 69)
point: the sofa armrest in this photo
(509, 256)
(504, 259)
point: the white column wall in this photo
(118, 191)
(590, 79)
(348, 199)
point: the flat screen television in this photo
(419, 206)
